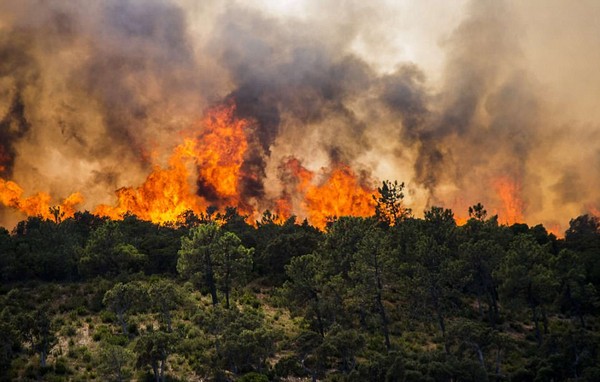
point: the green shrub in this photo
(82, 310)
(87, 358)
(107, 317)
(117, 339)
(253, 377)
(73, 353)
(68, 331)
(591, 374)
(132, 328)
(101, 333)
(60, 367)
(289, 366)
(250, 299)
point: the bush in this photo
(288, 367)
(253, 377)
(69, 331)
(82, 310)
(101, 333)
(250, 300)
(117, 339)
(591, 374)
(133, 329)
(60, 367)
(72, 353)
(521, 375)
(87, 357)
(107, 317)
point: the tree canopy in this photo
(389, 297)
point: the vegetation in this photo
(384, 298)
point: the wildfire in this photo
(512, 206)
(220, 154)
(164, 195)
(555, 229)
(339, 193)
(11, 195)
(217, 154)
(207, 169)
(460, 221)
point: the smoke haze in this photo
(483, 101)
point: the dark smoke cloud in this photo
(13, 119)
(283, 71)
(287, 79)
(12, 127)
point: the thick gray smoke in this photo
(91, 91)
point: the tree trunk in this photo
(313, 373)
(155, 370)
(121, 318)
(440, 316)
(479, 355)
(576, 306)
(210, 279)
(494, 302)
(442, 325)
(318, 313)
(168, 319)
(384, 320)
(544, 320)
(162, 370)
(379, 301)
(43, 358)
(498, 359)
(575, 364)
(534, 316)
(581, 320)
(479, 307)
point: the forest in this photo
(213, 297)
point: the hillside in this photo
(385, 298)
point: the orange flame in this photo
(11, 195)
(512, 205)
(555, 229)
(208, 170)
(340, 193)
(164, 195)
(220, 153)
(217, 154)
(460, 221)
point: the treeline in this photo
(386, 298)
